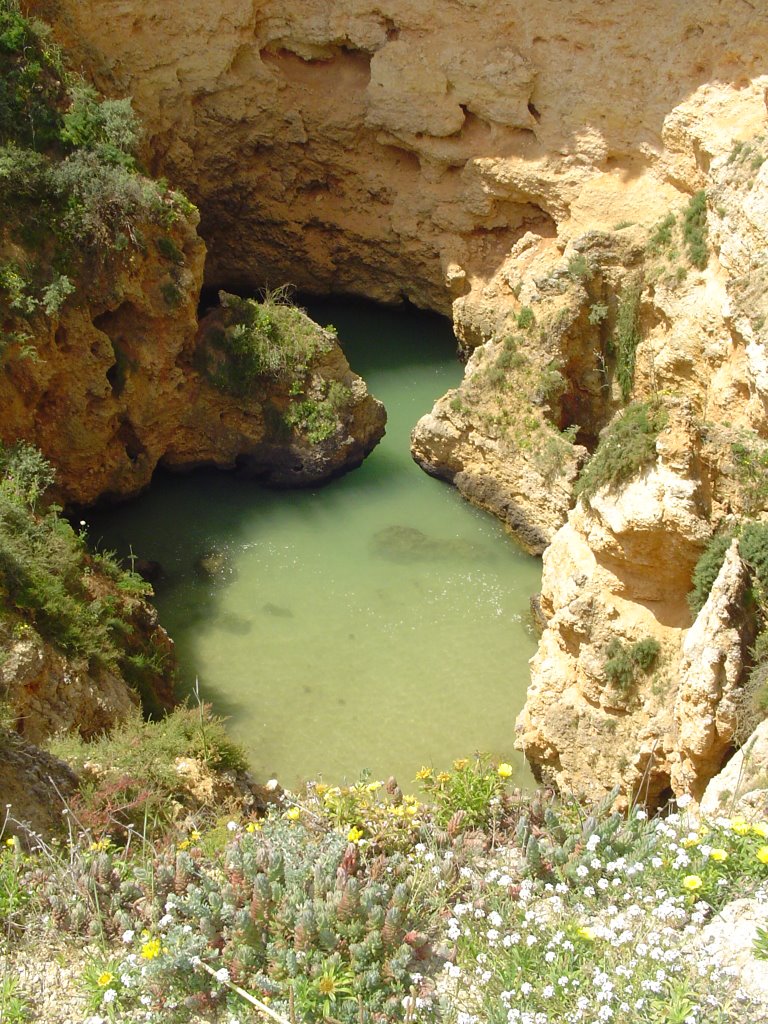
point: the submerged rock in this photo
(215, 565)
(277, 610)
(407, 544)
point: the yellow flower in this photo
(150, 949)
(104, 979)
(459, 763)
(443, 777)
(504, 770)
(373, 786)
(253, 826)
(585, 932)
(292, 814)
(184, 844)
(424, 773)
(762, 854)
(320, 788)
(194, 835)
(692, 883)
(740, 827)
(718, 854)
(103, 844)
(10, 842)
(761, 829)
(355, 834)
(412, 809)
(691, 841)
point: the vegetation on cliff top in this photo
(71, 196)
(49, 583)
(256, 340)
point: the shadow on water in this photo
(375, 622)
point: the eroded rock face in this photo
(35, 788)
(368, 148)
(100, 397)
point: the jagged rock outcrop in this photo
(289, 428)
(115, 388)
(712, 668)
(742, 786)
(619, 570)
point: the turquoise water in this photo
(378, 622)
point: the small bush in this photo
(751, 472)
(108, 128)
(318, 419)
(169, 250)
(598, 311)
(661, 235)
(622, 661)
(626, 447)
(579, 267)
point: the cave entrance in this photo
(378, 622)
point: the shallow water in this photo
(379, 622)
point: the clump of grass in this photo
(707, 569)
(525, 318)
(695, 230)
(138, 781)
(625, 448)
(627, 337)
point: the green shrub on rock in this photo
(626, 447)
(271, 339)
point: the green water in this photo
(336, 639)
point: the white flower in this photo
(222, 975)
(109, 996)
(232, 826)
(128, 936)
